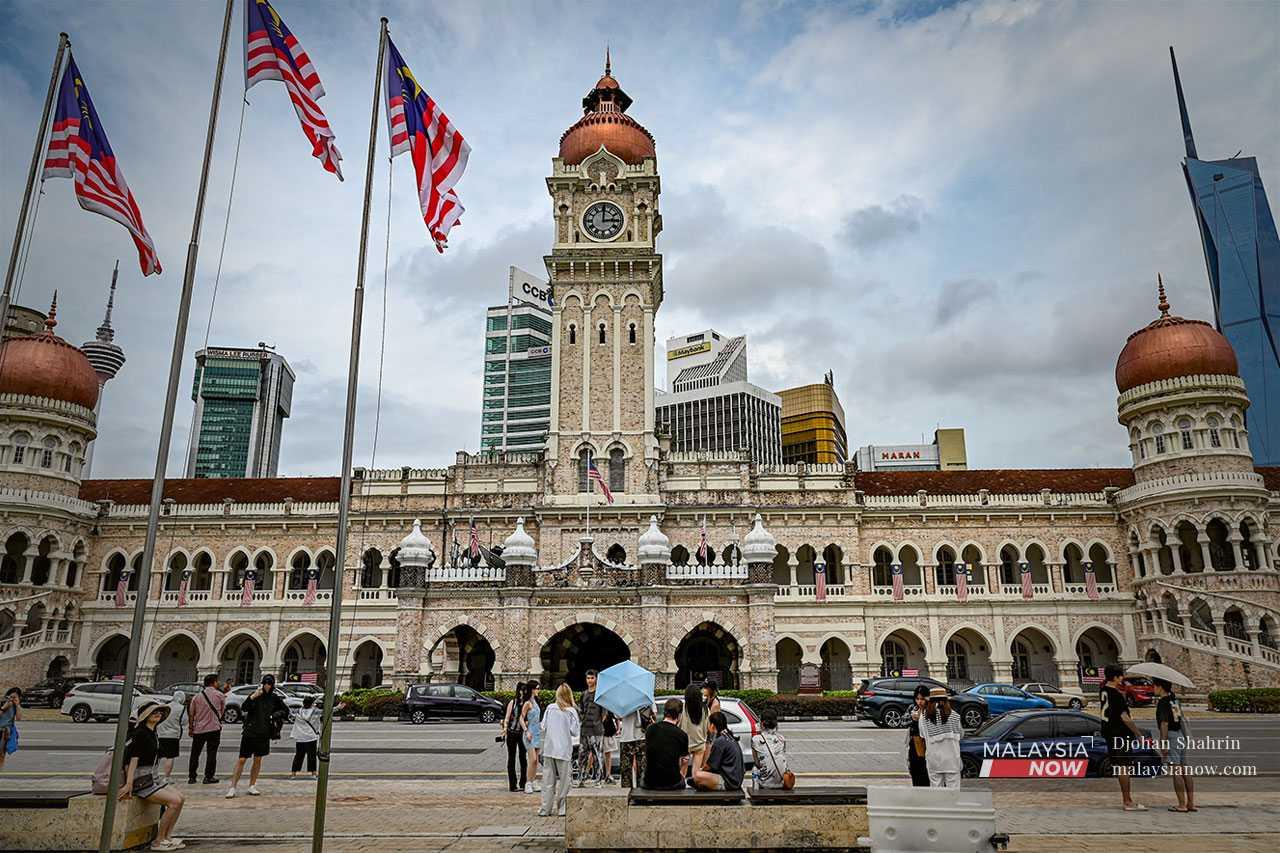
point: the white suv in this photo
(100, 700)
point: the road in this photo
(53, 751)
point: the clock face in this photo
(603, 220)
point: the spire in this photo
(608, 65)
(52, 319)
(106, 334)
(1187, 138)
(1163, 305)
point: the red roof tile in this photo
(997, 481)
(212, 491)
(1271, 477)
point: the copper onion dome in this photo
(45, 365)
(605, 122)
(1170, 347)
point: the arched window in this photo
(583, 456)
(1215, 438)
(631, 333)
(602, 333)
(20, 442)
(573, 333)
(51, 444)
(1184, 433)
(617, 471)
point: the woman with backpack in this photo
(305, 733)
(514, 736)
(531, 723)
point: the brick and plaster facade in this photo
(1179, 545)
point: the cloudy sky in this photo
(959, 208)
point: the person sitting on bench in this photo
(666, 750)
(723, 768)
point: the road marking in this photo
(844, 752)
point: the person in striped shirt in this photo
(941, 729)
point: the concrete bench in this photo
(678, 820)
(823, 795)
(70, 819)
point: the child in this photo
(305, 733)
(1173, 745)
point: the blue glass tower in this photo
(1242, 254)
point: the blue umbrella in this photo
(625, 687)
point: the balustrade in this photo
(1082, 589)
(886, 591)
(696, 572)
(300, 594)
(461, 574)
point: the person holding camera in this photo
(264, 715)
(10, 713)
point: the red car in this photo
(1139, 691)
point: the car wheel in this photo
(55, 701)
(231, 715)
(488, 715)
(1075, 704)
(1104, 767)
(81, 714)
(969, 768)
(418, 717)
(893, 717)
(971, 717)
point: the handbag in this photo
(788, 778)
(102, 773)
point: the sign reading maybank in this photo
(528, 288)
(692, 349)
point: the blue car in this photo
(1005, 697)
(1056, 734)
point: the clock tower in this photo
(607, 279)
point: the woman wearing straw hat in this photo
(140, 754)
(941, 729)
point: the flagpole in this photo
(591, 460)
(348, 442)
(162, 452)
(64, 41)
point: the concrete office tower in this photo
(106, 357)
(517, 367)
(242, 397)
(947, 453)
(813, 424)
(1242, 254)
(711, 406)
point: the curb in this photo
(834, 718)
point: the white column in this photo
(617, 368)
(1203, 539)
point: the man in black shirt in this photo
(264, 712)
(1173, 745)
(666, 749)
(1120, 731)
(723, 768)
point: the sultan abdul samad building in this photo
(1181, 545)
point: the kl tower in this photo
(107, 358)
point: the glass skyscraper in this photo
(242, 397)
(517, 378)
(1242, 254)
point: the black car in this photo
(449, 701)
(49, 693)
(888, 701)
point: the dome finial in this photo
(1164, 300)
(608, 64)
(52, 319)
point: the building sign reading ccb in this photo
(538, 352)
(692, 349)
(528, 288)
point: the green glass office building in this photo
(242, 397)
(517, 378)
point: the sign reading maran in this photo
(692, 349)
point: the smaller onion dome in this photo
(415, 549)
(655, 547)
(45, 365)
(1170, 347)
(518, 549)
(759, 546)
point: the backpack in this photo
(610, 725)
(102, 773)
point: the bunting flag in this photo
(272, 53)
(702, 544)
(962, 583)
(474, 545)
(1028, 588)
(439, 152)
(122, 586)
(1090, 581)
(896, 569)
(820, 582)
(593, 474)
(78, 148)
(246, 597)
(182, 588)
(313, 578)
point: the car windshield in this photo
(974, 689)
(996, 726)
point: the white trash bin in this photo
(938, 820)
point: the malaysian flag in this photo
(1028, 588)
(182, 588)
(419, 126)
(246, 597)
(78, 148)
(1090, 581)
(122, 586)
(474, 544)
(593, 473)
(702, 543)
(820, 582)
(313, 577)
(962, 583)
(896, 570)
(272, 53)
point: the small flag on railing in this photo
(307, 678)
(896, 569)
(182, 588)
(121, 586)
(247, 597)
(1090, 582)
(313, 577)
(702, 544)
(820, 582)
(962, 583)
(474, 545)
(1028, 588)
(593, 473)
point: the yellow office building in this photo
(813, 424)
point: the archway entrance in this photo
(968, 659)
(241, 660)
(1097, 648)
(463, 656)
(366, 667)
(708, 652)
(176, 661)
(303, 659)
(789, 656)
(57, 667)
(111, 658)
(902, 653)
(836, 672)
(1032, 653)
(570, 653)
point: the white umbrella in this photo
(1162, 672)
